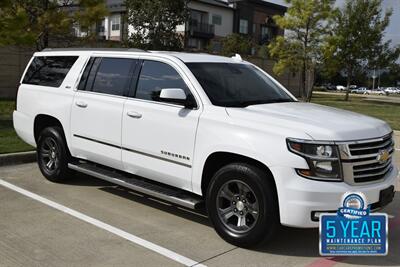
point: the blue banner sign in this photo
(353, 230)
(363, 236)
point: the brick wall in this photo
(13, 61)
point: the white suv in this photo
(198, 128)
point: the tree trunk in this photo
(348, 84)
(310, 84)
(304, 82)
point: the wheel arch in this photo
(217, 160)
(42, 121)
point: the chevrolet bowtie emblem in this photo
(383, 156)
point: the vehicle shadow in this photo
(198, 215)
(80, 179)
(288, 241)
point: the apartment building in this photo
(255, 18)
(113, 27)
(210, 20)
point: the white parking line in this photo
(135, 239)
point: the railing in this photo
(198, 28)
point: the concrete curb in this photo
(17, 158)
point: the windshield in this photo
(237, 85)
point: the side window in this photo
(155, 76)
(49, 71)
(107, 75)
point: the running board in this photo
(157, 190)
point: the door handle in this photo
(81, 104)
(134, 114)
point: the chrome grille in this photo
(360, 161)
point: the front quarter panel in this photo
(218, 132)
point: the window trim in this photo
(132, 93)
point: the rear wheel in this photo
(53, 155)
(242, 205)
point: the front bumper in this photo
(299, 197)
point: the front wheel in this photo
(242, 205)
(52, 154)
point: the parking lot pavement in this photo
(32, 233)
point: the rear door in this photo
(97, 109)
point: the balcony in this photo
(200, 30)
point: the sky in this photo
(392, 31)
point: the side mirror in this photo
(177, 96)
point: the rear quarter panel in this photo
(34, 100)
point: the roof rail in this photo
(94, 49)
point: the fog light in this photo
(315, 215)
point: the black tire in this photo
(258, 227)
(51, 146)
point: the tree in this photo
(155, 22)
(357, 39)
(392, 76)
(236, 44)
(305, 23)
(32, 22)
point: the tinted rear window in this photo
(49, 71)
(108, 75)
(113, 76)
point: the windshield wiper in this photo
(243, 104)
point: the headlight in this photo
(322, 158)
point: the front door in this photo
(158, 138)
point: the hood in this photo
(317, 121)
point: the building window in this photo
(192, 43)
(216, 19)
(267, 34)
(243, 26)
(101, 27)
(115, 23)
(254, 27)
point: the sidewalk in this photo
(396, 135)
(385, 99)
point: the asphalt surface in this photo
(35, 234)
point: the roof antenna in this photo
(237, 57)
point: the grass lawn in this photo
(9, 141)
(389, 112)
